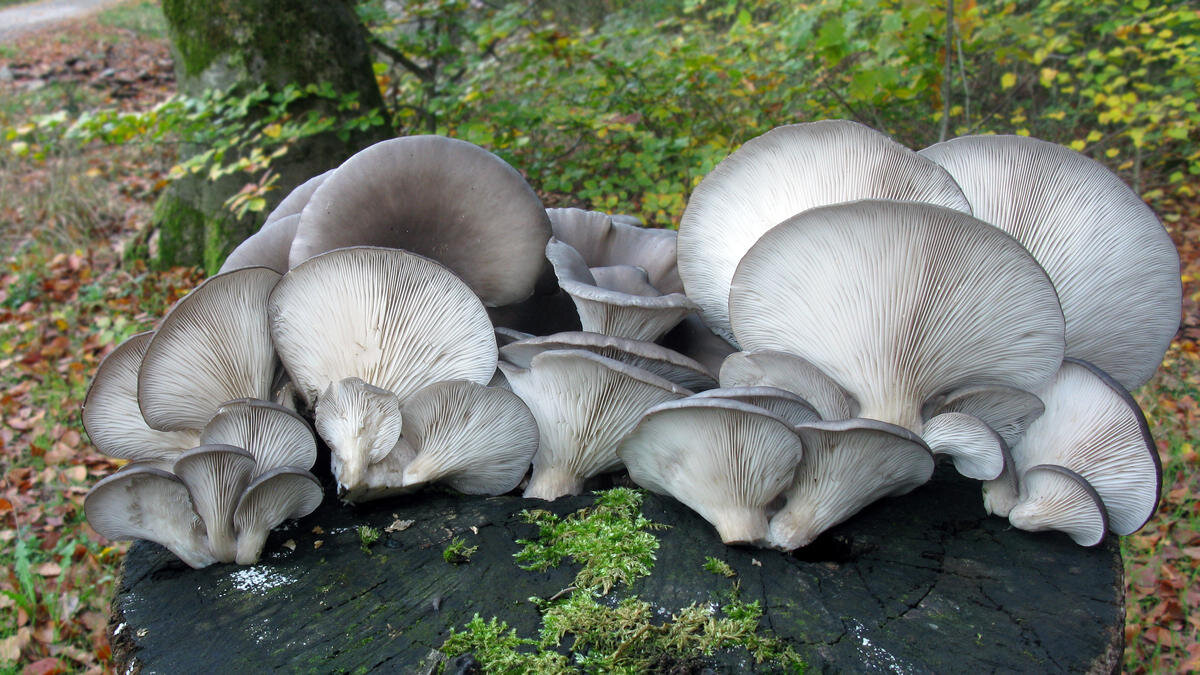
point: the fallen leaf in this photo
(49, 569)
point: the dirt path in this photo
(21, 19)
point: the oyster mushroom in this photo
(215, 476)
(274, 435)
(283, 493)
(789, 372)
(1055, 498)
(603, 240)
(268, 247)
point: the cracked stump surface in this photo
(921, 583)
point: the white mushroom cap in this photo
(476, 439)
(274, 435)
(977, 451)
(615, 302)
(438, 197)
(213, 346)
(605, 240)
(1055, 498)
(389, 317)
(142, 502)
(661, 361)
(1094, 428)
(779, 402)
(898, 301)
(1114, 266)
(294, 202)
(266, 248)
(361, 424)
(847, 465)
(111, 415)
(781, 173)
(792, 373)
(693, 338)
(384, 478)
(724, 459)
(584, 405)
(1007, 410)
(283, 493)
(215, 476)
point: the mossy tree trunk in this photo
(238, 45)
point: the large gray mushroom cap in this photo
(283, 493)
(142, 502)
(584, 405)
(724, 459)
(847, 465)
(439, 197)
(394, 319)
(268, 247)
(273, 434)
(661, 361)
(604, 241)
(215, 476)
(897, 301)
(295, 201)
(1054, 498)
(1114, 266)
(213, 346)
(781, 173)
(111, 415)
(476, 439)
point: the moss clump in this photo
(718, 567)
(612, 541)
(458, 552)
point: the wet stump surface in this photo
(920, 583)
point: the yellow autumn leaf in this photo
(272, 130)
(1008, 80)
(1112, 152)
(1078, 145)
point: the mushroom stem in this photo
(551, 482)
(250, 545)
(741, 525)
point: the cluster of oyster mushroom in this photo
(426, 312)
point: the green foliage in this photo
(718, 567)
(367, 536)
(457, 552)
(610, 540)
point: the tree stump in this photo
(922, 583)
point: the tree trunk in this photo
(238, 45)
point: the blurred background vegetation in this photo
(616, 105)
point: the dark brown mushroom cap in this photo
(273, 434)
(268, 247)
(143, 502)
(897, 301)
(584, 405)
(605, 240)
(111, 416)
(476, 439)
(439, 197)
(213, 346)
(1056, 498)
(793, 373)
(847, 465)
(294, 202)
(283, 493)
(1113, 264)
(724, 459)
(781, 173)
(215, 476)
(661, 361)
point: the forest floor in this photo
(66, 299)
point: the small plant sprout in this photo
(718, 567)
(367, 536)
(458, 552)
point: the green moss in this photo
(718, 567)
(367, 536)
(458, 552)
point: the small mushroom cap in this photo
(294, 202)
(624, 309)
(1093, 427)
(274, 435)
(361, 424)
(977, 450)
(384, 478)
(439, 197)
(792, 373)
(1056, 498)
(215, 476)
(1114, 265)
(661, 361)
(779, 402)
(694, 339)
(584, 405)
(111, 415)
(266, 248)
(898, 301)
(724, 459)
(213, 346)
(1007, 410)
(389, 317)
(605, 240)
(476, 439)
(283, 493)
(847, 465)
(781, 173)
(142, 502)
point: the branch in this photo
(425, 74)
